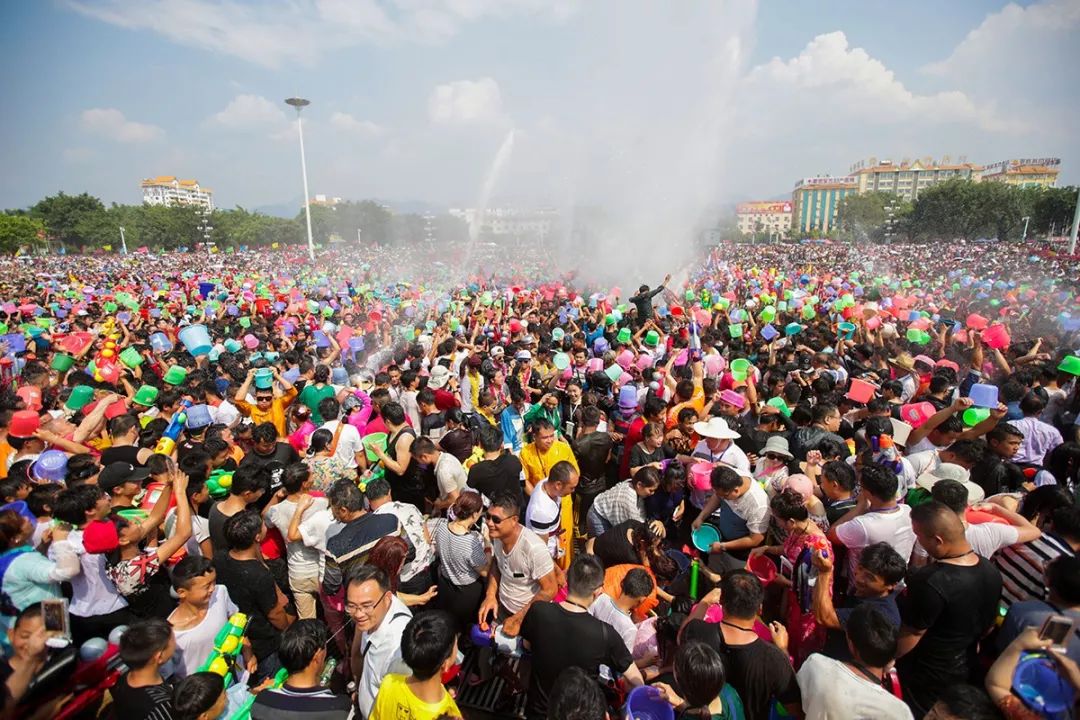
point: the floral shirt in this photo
(326, 471)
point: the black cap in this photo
(117, 473)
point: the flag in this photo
(106, 247)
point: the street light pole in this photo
(1075, 226)
(300, 104)
(123, 242)
(1027, 219)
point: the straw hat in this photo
(904, 361)
(716, 428)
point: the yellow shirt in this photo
(276, 413)
(396, 701)
(537, 466)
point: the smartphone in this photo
(787, 570)
(1056, 629)
(57, 622)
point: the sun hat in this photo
(777, 445)
(716, 428)
(951, 471)
(198, 416)
(439, 377)
(904, 361)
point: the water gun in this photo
(167, 443)
(219, 483)
(227, 646)
(885, 452)
(244, 711)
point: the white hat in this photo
(439, 377)
(497, 351)
(523, 355)
(951, 471)
(716, 428)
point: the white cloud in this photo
(111, 123)
(1009, 34)
(347, 123)
(466, 101)
(274, 33)
(249, 112)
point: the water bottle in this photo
(328, 672)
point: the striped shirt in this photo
(286, 702)
(620, 503)
(461, 557)
(1022, 567)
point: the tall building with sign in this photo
(764, 216)
(908, 178)
(816, 200)
(170, 191)
(1025, 172)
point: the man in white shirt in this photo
(637, 585)
(544, 513)
(854, 689)
(303, 561)
(380, 622)
(876, 517)
(96, 606)
(739, 508)
(449, 474)
(350, 448)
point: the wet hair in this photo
(73, 504)
(637, 583)
(561, 472)
(951, 494)
(872, 635)
(422, 446)
(882, 560)
(142, 640)
(196, 694)
(390, 554)
(788, 504)
(576, 696)
(265, 433)
(344, 494)
(700, 673)
(646, 477)
(725, 479)
(1002, 431)
(242, 529)
(359, 574)
(300, 643)
(742, 594)
(427, 643)
(320, 440)
(189, 568)
(377, 489)
(295, 476)
(507, 501)
(467, 505)
(968, 702)
(970, 451)
(393, 413)
(879, 481)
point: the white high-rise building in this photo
(171, 191)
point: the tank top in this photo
(407, 484)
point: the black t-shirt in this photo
(612, 548)
(152, 702)
(592, 452)
(640, 456)
(955, 605)
(836, 640)
(503, 474)
(252, 588)
(836, 509)
(216, 525)
(759, 671)
(283, 453)
(548, 627)
(124, 453)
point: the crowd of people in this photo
(811, 480)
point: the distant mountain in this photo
(286, 209)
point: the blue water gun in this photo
(167, 443)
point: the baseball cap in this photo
(523, 355)
(117, 473)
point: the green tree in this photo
(19, 231)
(62, 213)
(1051, 209)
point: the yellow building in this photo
(765, 216)
(1025, 172)
(907, 178)
(171, 191)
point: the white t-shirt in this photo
(604, 608)
(92, 592)
(831, 690)
(520, 570)
(543, 516)
(315, 529)
(450, 475)
(200, 530)
(985, 538)
(303, 560)
(752, 506)
(194, 645)
(349, 442)
(893, 527)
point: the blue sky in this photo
(629, 104)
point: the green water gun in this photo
(227, 646)
(219, 483)
(244, 712)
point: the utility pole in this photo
(123, 242)
(1075, 226)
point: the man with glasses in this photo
(270, 404)
(380, 619)
(523, 572)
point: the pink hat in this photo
(801, 484)
(644, 362)
(733, 398)
(948, 364)
(925, 360)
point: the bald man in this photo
(947, 607)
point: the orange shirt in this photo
(276, 413)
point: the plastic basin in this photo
(372, 440)
(704, 537)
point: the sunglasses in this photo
(774, 456)
(264, 398)
(495, 519)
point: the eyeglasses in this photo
(366, 608)
(495, 519)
